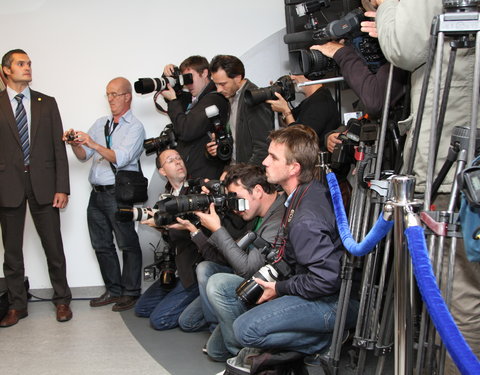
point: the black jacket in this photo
(191, 127)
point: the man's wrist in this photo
(285, 115)
(193, 234)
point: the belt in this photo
(26, 168)
(102, 188)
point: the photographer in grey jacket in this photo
(266, 209)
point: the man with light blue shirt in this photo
(115, 143)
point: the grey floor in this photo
(100, 341)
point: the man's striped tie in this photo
(21, 118)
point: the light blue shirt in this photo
(27, 100)
(127, 142)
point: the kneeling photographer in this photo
(164, 302)
(265, 209)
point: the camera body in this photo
(176, 81)
(249, 291)
(284, 86)
(358, 130)
(223, 138)
(163, 266)
(165, 140)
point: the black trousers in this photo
(47, 223)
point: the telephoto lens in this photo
(249, 291)
(134, 214)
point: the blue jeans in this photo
(163, 306)
(221, 287)
(204, 271)
(291, 323)
(101, 225)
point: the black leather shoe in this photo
(105, 299)
(125, 303)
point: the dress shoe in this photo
(125, 303)
(12, 317)
(105, 299)
(64, 313)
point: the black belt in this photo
(102, 188)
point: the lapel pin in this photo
(39, 99)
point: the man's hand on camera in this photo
(328, 49)
(210, 220)
(212, 146)
(269, 291)
(369, 27)
(280, 105)
(169, 94)
(70, 136)
(85, 139)
(168, 70)
(333, 140)
(183, 225)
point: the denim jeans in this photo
(221, 287)
(291, 323)
(101, 225)
(204, 271)
(163, 306)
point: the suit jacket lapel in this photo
(35, 109)
(6, 109)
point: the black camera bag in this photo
(131, 187)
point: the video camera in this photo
(165, 140)
(249, 291)
(176, 81)
(171, 207)
(223, 138)
(163, 266)
(358, 130)
(313, 64)
(284, 86)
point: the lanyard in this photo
(109, 131)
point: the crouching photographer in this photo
(163, 302)
(265, 210)
(298, 314)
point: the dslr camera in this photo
(171, 207)
(165, 140)
(284, 86)
(223, 138)
(163, 266)
(177, 81)
(249, 291)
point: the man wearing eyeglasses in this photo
(163, 303)
(114, 142)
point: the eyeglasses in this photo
(171, 159)
(114, 95)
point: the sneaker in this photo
(125, 303)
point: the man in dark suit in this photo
(33, 169)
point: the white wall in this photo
(77, 46)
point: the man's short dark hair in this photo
(232, 65)
(249, 176)
(8, 57)
(197, 63)
(301, 146)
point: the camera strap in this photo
(108, 140)
(282, 237)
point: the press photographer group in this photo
(296, 225)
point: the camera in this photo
(71, 136)
(311, 63)
(171, 207)
(249, 291)
(358, 130)
(223, 139)
(177, 81)
(165, 140)
(163, 266)
(284, 86)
